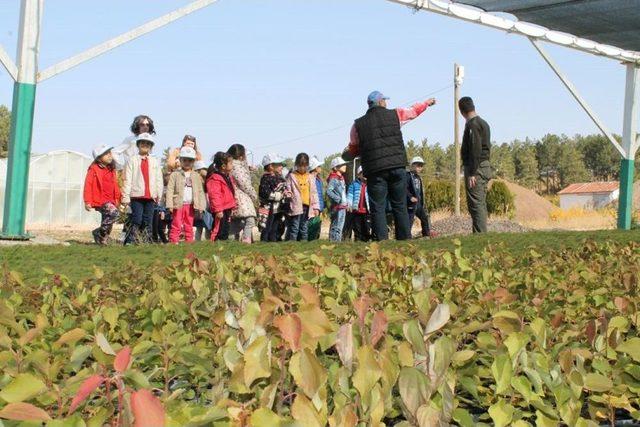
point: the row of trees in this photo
(545, 165)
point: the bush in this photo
(439, 195)
(378, 336)
(500, 201)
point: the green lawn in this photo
(78, 260)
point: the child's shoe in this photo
(96, 237)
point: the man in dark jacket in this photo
(376, 137)
(475, 152)
(416, 204)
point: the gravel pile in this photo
(462, 225)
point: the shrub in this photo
(500, 201)
(376, 337)
(439, 195)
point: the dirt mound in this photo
(529, 205)
(462, 225)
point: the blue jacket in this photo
(353, 195)
(320, 188)
(337, 191)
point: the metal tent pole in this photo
(574, 91)
(24, 96)
(630, 140)
(458, 74)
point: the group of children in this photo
(184, 195)
(210, 199)
(291, 203)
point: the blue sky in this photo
(265, 73)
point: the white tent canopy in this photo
(54, 196)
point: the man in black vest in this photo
(376, 137)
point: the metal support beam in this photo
(122, 39)
(630, 139)
(22, 112)
(8, 63)
(576, 95)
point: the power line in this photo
(333, 129)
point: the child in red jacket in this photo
(221, 194)
(101, 192)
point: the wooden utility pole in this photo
(458, 76)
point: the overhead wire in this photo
(333, 129)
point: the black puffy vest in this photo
(381, 144)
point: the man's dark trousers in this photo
(389, 185)
(477, 197)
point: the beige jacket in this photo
(133, 186)
(175, 190)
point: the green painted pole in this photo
(625, 202)
(15, 199)
(629, 138)
(24, 99)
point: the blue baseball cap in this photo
(375, 97)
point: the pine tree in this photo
(525, 163)
(502, 162)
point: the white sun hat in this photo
(146, 137)
(187, 153)
(100, 149)
(338, 161)
(271, 159)
(314, 163)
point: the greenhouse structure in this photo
(54, 191)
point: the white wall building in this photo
(589, 195)
(56, 183)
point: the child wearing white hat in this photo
(416, 204)
(337, 194)
(185, 197)
(101, 191)
(142, 189)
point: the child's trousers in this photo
(141, 221)
(361, 227)
(337, 224)
(299, 226)
(242, 228)
(109, 213)
(220, 230)
(272, 228)
(182, 219)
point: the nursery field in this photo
(534, 329)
